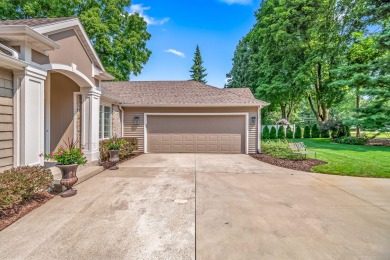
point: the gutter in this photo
(190, 105)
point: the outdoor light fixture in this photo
(136, 120)
(253, 120)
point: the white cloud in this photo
(240, 2)
(178, 53)
(139, 8)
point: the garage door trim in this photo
(196, 114)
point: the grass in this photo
(351, 160)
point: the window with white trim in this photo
(105, 126)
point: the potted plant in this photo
(68, 159)
(114, 145)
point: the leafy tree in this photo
(289, 133)
(281, 132)
(272, 134)
(298, 132)
(306, 132)
(197, 70)
(266, 132)
(118, 37)
(315, 132)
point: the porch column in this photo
(29, 136)
(90, 123)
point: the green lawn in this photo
(354, 160)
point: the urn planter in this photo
(114, 158)
(69, 178)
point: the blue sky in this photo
(177, 26)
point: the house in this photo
(52, 89)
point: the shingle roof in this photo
(35, 21)
(175, 93)
(243, 92)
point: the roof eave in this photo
(11, 63)
(190, 105)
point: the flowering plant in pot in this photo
(68, 159)
(114, 145)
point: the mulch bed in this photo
(300, 165)
(10, 215)
(108, 165)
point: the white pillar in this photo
(29, 123)
(90, 123)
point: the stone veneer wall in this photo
(116, 121)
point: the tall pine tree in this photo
(197, 70)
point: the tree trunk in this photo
(357, 110)
(319, 108)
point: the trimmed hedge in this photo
(281, 132)
(306, 132)
(315, 132)
(272, 134)
(128, 147)
(298, 132)
(278, 148)
(20, 184)
(351, 140)
(289, 133)
(265, 132)
(325, 134)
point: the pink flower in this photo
(60, 153)
(41, 154)
(81, 153)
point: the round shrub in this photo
(315, 132)
(281, 132)
(306, 132)
(265, 132)
(289, 133)
(272, 134)
(298, 132)
(19, 184)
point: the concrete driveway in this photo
(245, 209)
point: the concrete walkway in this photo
(245, 209)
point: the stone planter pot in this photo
(68, 179)
(114, 158)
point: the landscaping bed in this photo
(107, 165)
(300, 165)
(17, 211)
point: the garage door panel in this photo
(196, 134)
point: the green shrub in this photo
(278, 148)
(281, 132)
(289, 133)
(306, 132)
(272, 134)
(351, 140)
(298, 132)
(315, 132)
(19, 184)
(265, 132)
(127, 148)
(325, 134)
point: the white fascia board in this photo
(61, 25)
(12, 63)
(24, 29)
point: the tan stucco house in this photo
(52, 89)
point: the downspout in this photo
(122, 117)
(258, 130)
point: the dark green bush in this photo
(351, 140)
(306, 132)
(278, 148)
(298, 132)
(325, 134)
(289, 133)
(127, 148)
(265, 132)
(315, 132)
(347, 131)
(272, 134)
(281, 132)
(19, 184)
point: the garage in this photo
(196, 133)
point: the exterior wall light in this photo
(136, 120)
(253, 120)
